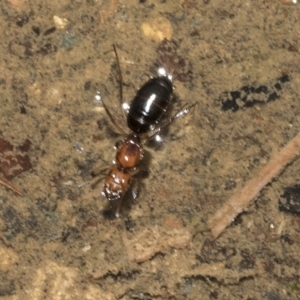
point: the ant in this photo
(143, 117)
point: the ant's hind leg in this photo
(136, 187)
(123, 104)
(113, 120)
(98, 174)
(112, 212)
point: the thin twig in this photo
(242, 198)
(11, 186)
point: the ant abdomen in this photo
(149, 104)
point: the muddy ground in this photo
(238, 59)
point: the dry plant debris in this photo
(11, 186)
(243, 198)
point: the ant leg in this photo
(95, 174)
(185, 109)
(99, 171)
(136, 185)
(113, 119)
(117, 208)
(121, 83)
(113, 211)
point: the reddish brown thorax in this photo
(129, 152)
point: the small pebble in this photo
(60, 23)
(158, 29)
(78, 147)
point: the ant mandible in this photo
(143, 118)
